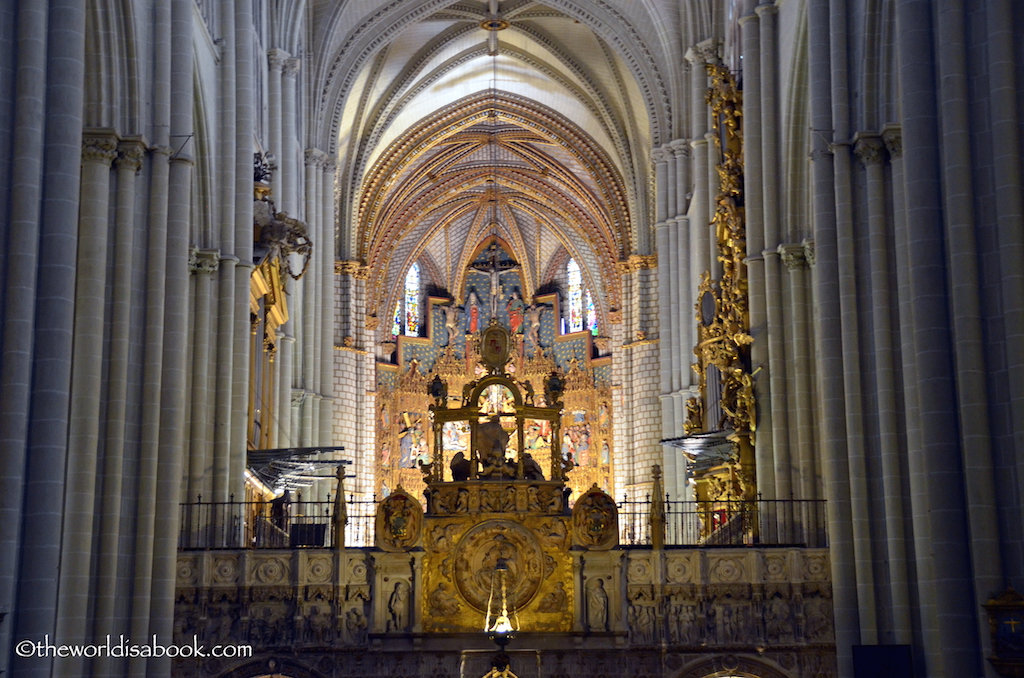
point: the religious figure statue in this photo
(533, 312)
(556, 601)
(473, 303)
(442, 602)
(398, 608)
(451, 321)
(355, 624)
(515, 308)
(493, 271)
(597, 607)
(460, 466)
(531, 469)
(493, 441)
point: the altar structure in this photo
(583, 602)
(532, 340)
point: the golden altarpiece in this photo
(451, 347)
(497, 505)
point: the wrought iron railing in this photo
(763, 522)
(308, 524)
(266, 525)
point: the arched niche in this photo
(731, 666)
(274, 667)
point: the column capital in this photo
(705, 52)
(681, 147)
(99, 146)
(766, 8)
(351, 267)
(661, 154)
(793, 256)
(315, 157)
(637, 262)
(869, 148)
(130, 153)
(291, 66)
(892, 135)
(203, 261)
(808, 245)
(277, 58)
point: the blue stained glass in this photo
(396, 325)
(575, 296)
(412, 301)
(591, 314)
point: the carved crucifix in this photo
(493, 271)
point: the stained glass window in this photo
(412, 301)
(396, 325)
(575, 296)
(591, 314)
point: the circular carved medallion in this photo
(478, 553)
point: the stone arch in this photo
(377, 31)
(277, 667)
(730, 666)
(111, 67)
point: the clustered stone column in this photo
(354, 374)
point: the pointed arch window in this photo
(591, 314)
(406, 318)
(575, 276)
(412, 301)
(582, 312)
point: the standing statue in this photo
(474, 312)
(533, 312)
(398, 608)
(493, 442)
(515, 308)
(597, 607)
(451, 321)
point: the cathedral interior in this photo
(512, 338)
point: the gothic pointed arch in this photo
(492, 165)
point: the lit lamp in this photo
(499, 627)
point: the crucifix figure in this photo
(493, 270)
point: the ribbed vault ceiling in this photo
(447, 127)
